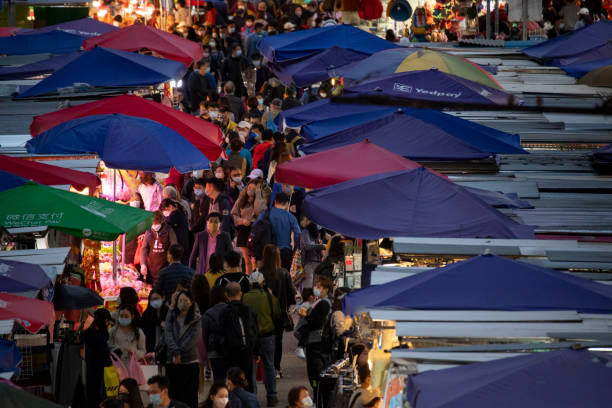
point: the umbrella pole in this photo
(115, 241)
(488, 24)
(496, 18)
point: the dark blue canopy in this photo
(123, 142)
(10, 180)
(325, 109)
(86, 27)
(408, 203)
(54, 42)
(554, 379)
(486, 282)
(418, 134)
(573, 42)
(10, 356)
(299, 44)
(105, 67)
(316, 68)
(72, 297)
(594, 54)
(430, 85)
(581, 69)
(603, 154)
(37, 68)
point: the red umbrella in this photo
(32, 314)
(47, 174)
(205, 136)
(342, 164)
(141, 37)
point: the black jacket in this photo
(199, 213)
(150, 324)
(232, 70)
(200, 87)
(179, 223)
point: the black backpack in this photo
(238, 335)
(262, 234)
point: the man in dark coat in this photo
(200, 86)
(177, 219)
(204, 246)
(233, 67)
(199, 208)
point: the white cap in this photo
(288, 25)
(256, 173)
(256, 278)
(583, 11)
(244, 124)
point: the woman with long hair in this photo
(129, 392)
(248, 207)
(181, 336)
(153, 320)
(218, 397)
(215, 270)
(279, 281)
(125, 337)
(311, 247)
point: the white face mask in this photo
(156, 227)
(198, 173)
(212, 44)
(135, 204)
(307, 402)
(220, 402)
(167, 213)
(213, 114)
(198, 192)
(219, 174)
(237, 179)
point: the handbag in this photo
(111, 381)
(120, 368)
(297, 267)
(135, 371)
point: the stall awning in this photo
(53, 42)
(103, 67)
(307, 42)
(486, 282)
(408, 203)
(573, 42)
(86, 27)
(46, 66)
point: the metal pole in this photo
(11, 13)
(114, 241)
(488, 24)
(496, 18)
(525, 18)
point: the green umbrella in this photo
(31, 204)
(15, 397)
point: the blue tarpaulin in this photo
(408, 203)
(54, 42)
(123, 142)
(317, 68)
(603, 154)
(553, 379)
(299, 44)
(594, 54)
(10, 356)
(429, 85)
(325, 109)
(486, 282)
(573, 42)
(418, 134)
(105, 67)
(579, 70)
(86, 27)
(37, 68)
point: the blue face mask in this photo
(155, 399)
(156, 304)
(238, 53)
(124, 321)
(316, 292)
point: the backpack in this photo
(270, 123)
(237, 335)
(262, 234)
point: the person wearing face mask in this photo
(199, 207)
(218, 397)
(311, 331)
(208, 242)
(176, 217)
(150, 190)
(299, 397)
(181, 337)
(235, 184)
(153, 320)
(200, 85)
(253, 39)
(153, 255)
(159, 387)
(171, 192)
(232, 69)
(236, 149)
(220, 203)
(125, 337)
(311, 247)
(262, 74)
(272, 90)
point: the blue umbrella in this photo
(70, 297)
(554, 379)
(123, 142)
(10, 356)
(579, 70)
(21, 277)
(54, 42)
